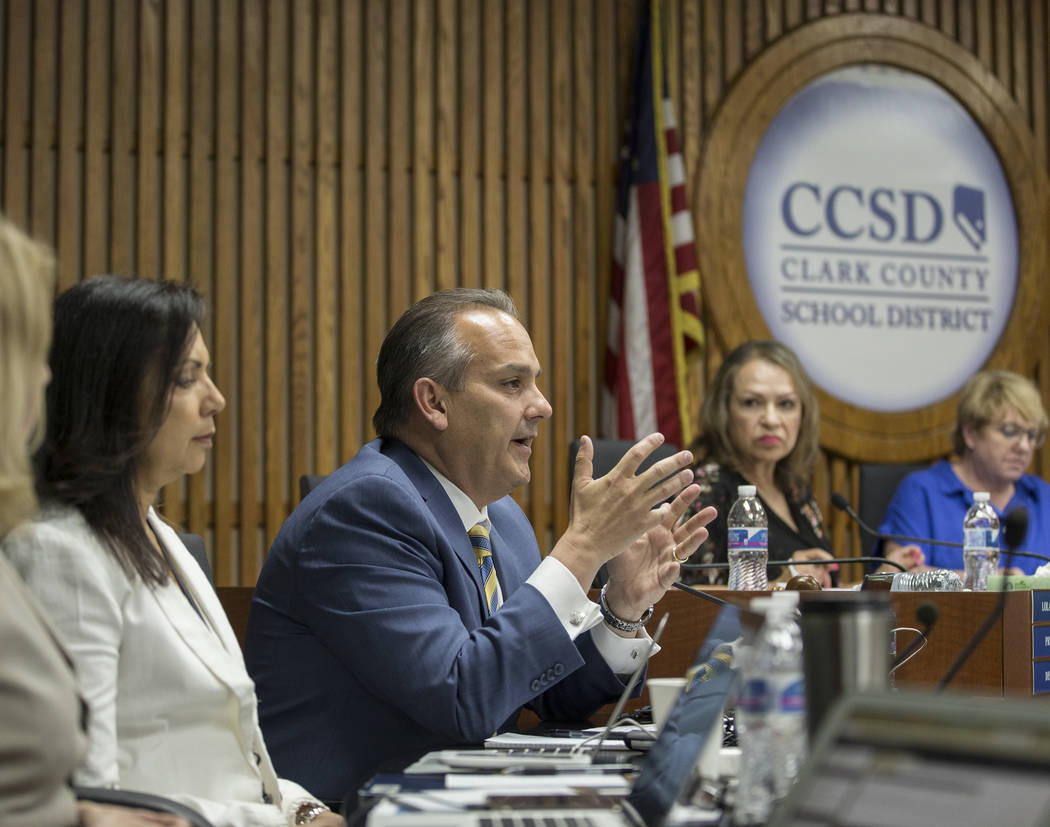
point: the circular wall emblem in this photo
(880, 237)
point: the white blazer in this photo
(172, 709)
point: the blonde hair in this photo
(987, 395)
(27, 275)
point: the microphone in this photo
(1015, 526)
(926, 614)
(718, 601)
(842, 504)
(826, 562)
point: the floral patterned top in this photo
(718, 488)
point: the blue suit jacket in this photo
(368, 639)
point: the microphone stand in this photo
(842, 504)
(1014, 530)
(827, 562)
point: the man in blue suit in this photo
(381, 628)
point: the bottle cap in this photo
(981, 496)
(746, 490)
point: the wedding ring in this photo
(674, 554)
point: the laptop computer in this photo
(922, 758)
(554, 753)
(667, 773)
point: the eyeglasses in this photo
(1014, 432)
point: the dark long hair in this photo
(714, 443)
(117, 347)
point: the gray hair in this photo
(424, 342)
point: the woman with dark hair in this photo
(42, 737)
(759, 425)
(131, 408)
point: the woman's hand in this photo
(910, 556)
(821, 573)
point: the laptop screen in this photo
(669, 766)
(921, 758)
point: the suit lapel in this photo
(445, 514)
(212, 641)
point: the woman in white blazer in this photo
(131, 408)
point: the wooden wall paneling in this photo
(516, 98)
(376, 205)
(712, 56)
(400, 280)
(469, 239)
(424, 247)
(841, 540)
(561, 365)
(353, 360)
(225, 315)
(277, 154)
(583, 322)
(1003, 31)
(1039, 70)
(607, 141)
(965, 20)
(69, 190)
(773, 19)
(985, 31)
(754, 27)
(1021, 19)
(16, 112)
(123, 73)
(251, 275)
(732, 39)
(446, 211)
(173, 205)
(325, 333)
(201, 195)
(538, 308)
(791, 14)
(301, 366)
(948, 23)
(44, 122)
(493, 116)
(514, 131)
(96, 134)
(148, 145)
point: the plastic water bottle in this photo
(748, 536)
(980, 543)
(771, 713)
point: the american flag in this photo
(654, 323)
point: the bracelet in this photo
(619, 623)
(308, 811)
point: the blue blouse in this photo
(933, 502)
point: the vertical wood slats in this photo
(316, 166)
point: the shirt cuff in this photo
(562, 591)
(577, 614)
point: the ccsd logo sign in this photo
(880, 237)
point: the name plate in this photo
(1040, 642)
(1041, 606)
(1040, 677)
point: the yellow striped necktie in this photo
(479, 539)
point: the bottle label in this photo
(980, 538)
(740, 538)
(793, 697)
(754, 696)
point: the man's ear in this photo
(430, 399)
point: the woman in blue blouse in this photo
(999, 425)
